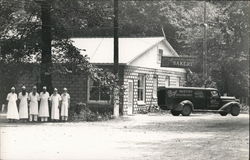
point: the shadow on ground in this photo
(187, 124)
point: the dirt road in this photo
(139, 137)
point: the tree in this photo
(30, 30)
(46, 56)
(227, 38)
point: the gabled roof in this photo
(100, 50)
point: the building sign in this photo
(178, 62)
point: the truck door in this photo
(213, 100)
(199, 99)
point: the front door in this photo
(213, 100)
(199, 99)
(130, 96)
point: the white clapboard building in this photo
(140, 70)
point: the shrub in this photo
(142, 111)
(80, 112)
(244, 108)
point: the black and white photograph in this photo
(124, 79)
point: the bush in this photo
(244, 108)
(153, 109)
(142, 111)
(80, 112)
(101, 109)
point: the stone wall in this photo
(76, 84)
(29, 75)
(17, 75)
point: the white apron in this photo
(44, 105)
(34, 103)
(12, 112)
(23, 106)
(65, 104)
(55, 99)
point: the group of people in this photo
(33, 105)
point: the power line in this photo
(98, 46)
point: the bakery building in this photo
(140, 70)
(140, 73)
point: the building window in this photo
(178, 81)
(141, 88)
(167, 81)
(155, 86)
(160, 53)
(98, 93)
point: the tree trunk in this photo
(46, 62)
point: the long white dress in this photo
(65, 104)
(34, 103)
(23, 106)
(12, 112)
(44, 105)
(55, 99)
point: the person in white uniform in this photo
(23, 104)
(55, 100)
(33, 105)
(12, 112)
(65, 104)
(44, 105)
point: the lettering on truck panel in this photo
(171, 93)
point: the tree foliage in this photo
(227, 33)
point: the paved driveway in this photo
(139, 137)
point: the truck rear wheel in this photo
(186, 111)
(223, 113)
(235, 110)
(175, 113)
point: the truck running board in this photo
(199, 110)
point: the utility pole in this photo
(205, 42)
(116, 41)
(46, 60)
(116, 59)
(248, 76)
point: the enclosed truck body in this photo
(185, 100)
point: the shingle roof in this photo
(100, 50)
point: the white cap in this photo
(55, 89)
(23, 87)
(65, 89)
(34, 87)
(44, 87)
(12, 87)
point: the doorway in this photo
(130, 96)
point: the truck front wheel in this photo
(235, 110)
(175, 113)
(186, 111)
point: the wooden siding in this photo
(132, 73)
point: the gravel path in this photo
(139, 137)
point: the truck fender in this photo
(179, 107)
(227, 107)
